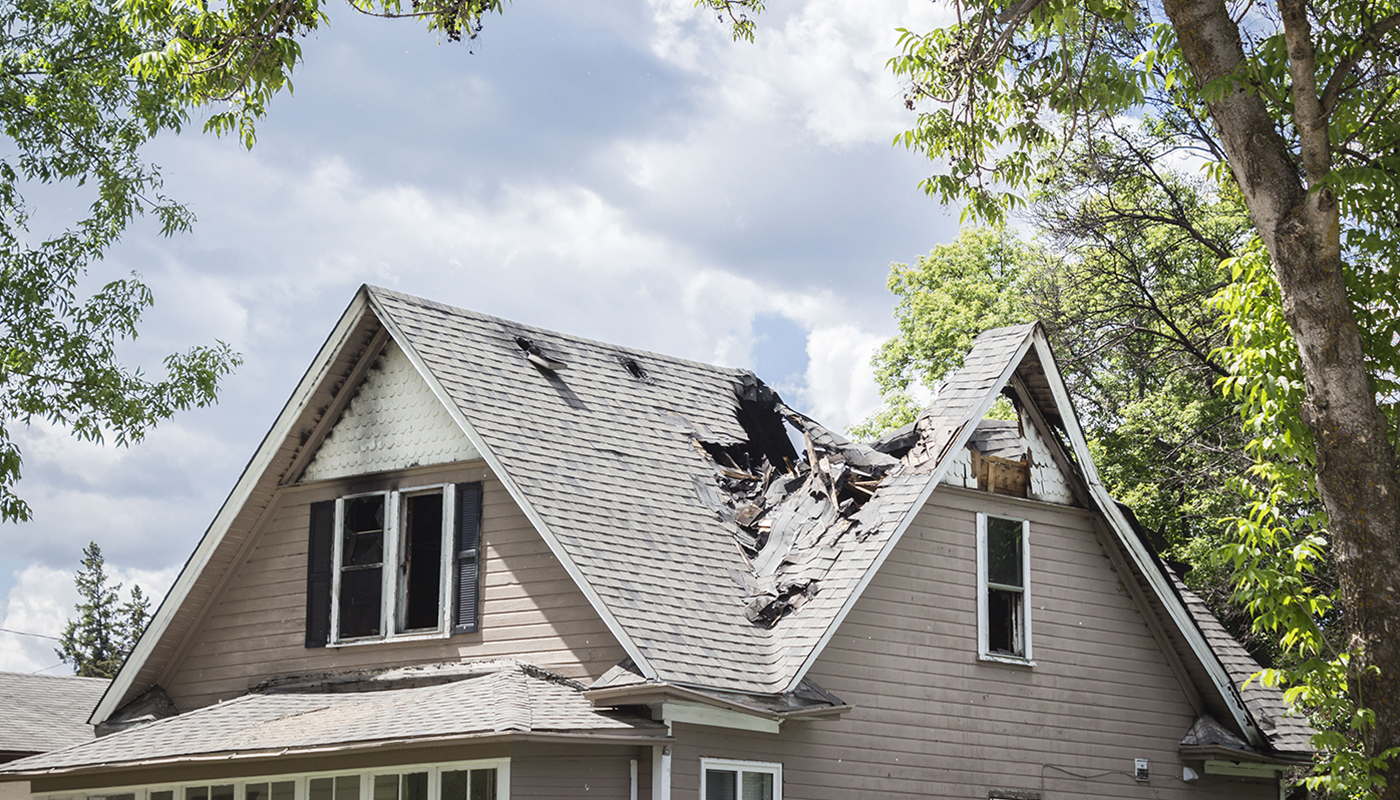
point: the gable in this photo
(1014, 440)
(394, 421)
(255, 628)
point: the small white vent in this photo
(393, 422)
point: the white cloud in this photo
(40, 604)
(824, 63)
(841, 388)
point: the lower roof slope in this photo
(46, 712)
(486, 698)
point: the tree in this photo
(1295, 104)
(76, 117)
(99, 640)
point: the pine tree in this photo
(98, 641)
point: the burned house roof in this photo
(671, 491)
(644, 483)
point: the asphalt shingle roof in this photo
(46, 712)
(607, 460)
(509, 698)
(1287, 732)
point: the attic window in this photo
(635, 370)
(537, 357)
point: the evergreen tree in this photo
(98, 641)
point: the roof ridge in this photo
(430, 303)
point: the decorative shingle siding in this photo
(393, 422)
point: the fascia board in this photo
(628, 645)
(1141, 558)
(233, 504)
(937, 477)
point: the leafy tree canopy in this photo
(75, 117)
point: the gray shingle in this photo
(608, 463)
(46, 712)
(506, 697)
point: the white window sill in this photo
(402, 637)
(1000, 659)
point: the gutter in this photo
(257, 756)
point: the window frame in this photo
(984, 651)
(392, 604)
(774, 768)
(302, 781)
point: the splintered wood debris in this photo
(793, 513)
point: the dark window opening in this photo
(1004, 551)
(1004, 623)
(361, 567)
(421, 565)
(477, 784)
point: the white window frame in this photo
(983, 616)
(773, 768)
(391, 597)
(302, 781)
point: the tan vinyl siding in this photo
(931, 720)
(558, 772)
(255, 629)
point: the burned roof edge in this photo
(964, 432)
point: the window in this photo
(487, 779)
(1003, 589)
(391, 564)
(739, 780)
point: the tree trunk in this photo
(1356, 470)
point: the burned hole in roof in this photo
(635, 370)
(536, 356)
(790, 514)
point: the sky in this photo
(621, 171)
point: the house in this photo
(42, 713)
(474, 559)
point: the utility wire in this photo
(27, 633)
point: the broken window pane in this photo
(1004, 551)
(362, 567)
(362, 542)
(256, 791)
(1004, 622)
(721, 784)
(421, 563)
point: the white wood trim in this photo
(302, 779)
(774, 768)
(615, 627)
(673, 711)
(984, 651)
(252, 474)
(660, 772)
(934, 480)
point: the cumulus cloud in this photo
(40, 603)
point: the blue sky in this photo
(621, 171)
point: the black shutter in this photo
(319, 549)
(468, 560)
